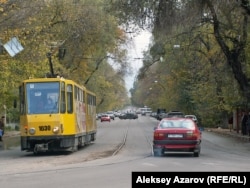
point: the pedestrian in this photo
(244, 123)
(1, 128)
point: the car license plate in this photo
(175, 135)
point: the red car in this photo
(105, 117)
(177, 135)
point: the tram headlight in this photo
(32, 131)
(56, 130)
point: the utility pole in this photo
(49, 56)
(5, 113)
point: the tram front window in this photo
(42, 97)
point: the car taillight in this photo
(192, 134)
(158, 135)
(189, 133)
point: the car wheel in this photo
(197, 153)
(158, 152)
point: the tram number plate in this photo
(44, 128)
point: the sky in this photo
(140, 44)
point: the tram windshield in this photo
(42, 97)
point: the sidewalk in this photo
(228, 132)
(11, 133)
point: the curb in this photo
(11, 134)
(230, 133)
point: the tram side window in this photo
(83, 96)
(91, 103)
(76, 93)
(63, 103)
(88, 103)
(79, 94)
(69, 99)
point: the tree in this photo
(83, 29)
(213, 32)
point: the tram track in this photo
(111, 141)
(120, 146)
(143, 130)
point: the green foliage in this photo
(87, 32)
(203, 73)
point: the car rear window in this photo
(177, 124)
(188, 125)
(166, 124)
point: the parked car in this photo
(160, 116)
(111, 115)
(99, 115)
(161, 110)
(153, 114)
(105, 117)
(193, 117)
(177, 135)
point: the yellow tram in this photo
(67, 124)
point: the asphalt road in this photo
(122, 147)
